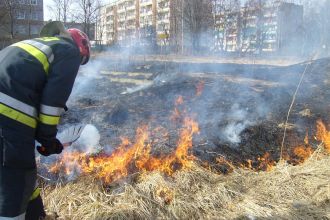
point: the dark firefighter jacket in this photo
(36, 79)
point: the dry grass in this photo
(287, 192)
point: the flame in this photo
(225, 164)
(176, 114)
(266, 163)
(306, 139)
(69, 161)
(302, 153)
(130, 157)
(180, 158)
(323, 135)
(136, 155)
(200, 88)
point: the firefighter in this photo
(36, 79)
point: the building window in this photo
(34, 16)
(21, 29)
(35, 29)
(33, 2)
(20, 15)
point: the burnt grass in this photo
(254, 96)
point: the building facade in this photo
(20, 19)
(271, 26)
(126, 21)
(259, 28)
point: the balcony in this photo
(130, 17)
(131, 27)
(121, 10)
(163, 10)
(269, 15)
(146, 3)
(231, 43)
(131, 8)
(270, 41)
(163, 21)
(145, 13)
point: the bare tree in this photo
(218, 11)
(163, 27)
(11, 7)
(61, 9)
(197, 19)
(227, 18)
(258, 9)
(176, 20)
(101, 25)
(87, 13)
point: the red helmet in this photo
(82, 42)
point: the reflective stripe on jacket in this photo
(36, 79)
(20, 217)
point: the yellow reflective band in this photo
(35, 194)
(35, 53)
(47, 39)
(49, 120)
(18, 116)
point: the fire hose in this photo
(293, 101)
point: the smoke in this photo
(239, 120)
(89, 141)
(87, 144)
(84, 83)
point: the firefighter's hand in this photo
(48, 148)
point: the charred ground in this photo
(241, 108)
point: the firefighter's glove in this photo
(50, 147)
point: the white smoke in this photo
(238, 122)
(89, 141)
(85, 80)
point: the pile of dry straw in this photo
(287, 192)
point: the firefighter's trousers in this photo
(17, 174)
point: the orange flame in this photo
(176, 115)
(306, 139)
(323, 135)
(131, 156)
(266, 163)
(302, 153)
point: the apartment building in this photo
(267, 28)
(129, 20)
(106, 26)
(271, 26)
(163, 23)
(26, 22)
(147, 22)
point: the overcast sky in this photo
(47, 15)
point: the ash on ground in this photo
(241, 108)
